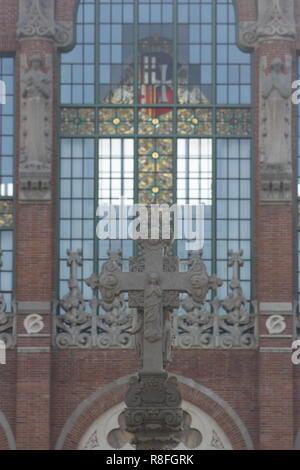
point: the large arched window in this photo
(156, 106)
(7, 82)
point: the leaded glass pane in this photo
(76, 121)
(193, 121)
(6, 214)
(234, 122)
(155, 121)
(116, 121)
(155, 174)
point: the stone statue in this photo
(36, 109)
(276, 114)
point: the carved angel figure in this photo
(276, 91)
(36, 92)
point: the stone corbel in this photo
(37, 21)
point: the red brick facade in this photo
(40, 391)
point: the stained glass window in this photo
(156, 107)
(6, 177)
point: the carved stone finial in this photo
(73, 302)
(37, 21)
(236, 261)
(276, 20)
(235, 303)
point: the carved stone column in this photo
(272, 37)
(40, 34)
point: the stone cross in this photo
(153, 286)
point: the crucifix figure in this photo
(153, 285)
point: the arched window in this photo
(156, 107)
(7, 81)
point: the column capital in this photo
(275, 21)
(37, 21)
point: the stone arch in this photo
(109, 396)
(7, 438)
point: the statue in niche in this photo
(276, 114)
(36, 115)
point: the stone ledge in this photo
(43, 308)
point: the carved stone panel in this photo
(36, 145)
(37, 21)
(276, 20)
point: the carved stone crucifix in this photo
(153, 288)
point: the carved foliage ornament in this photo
(275, 21)
(37, 21)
